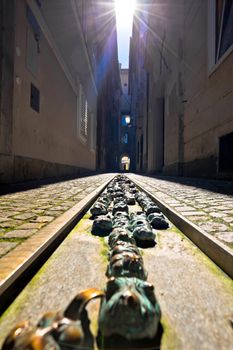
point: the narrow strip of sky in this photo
(124, 19)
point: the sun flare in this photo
(124, 11)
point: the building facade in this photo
(187, 53)
(109, 89)
(50, 59)
(138, 89)
(126, 127)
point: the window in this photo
(84, 115)
(226, 152)
(33, 43)
(93, 132)
(35, 98)
(220, 30)
(125, 120)
(125, 138)
(224, 26)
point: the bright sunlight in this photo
(124, 20)
(124, 11)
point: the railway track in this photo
(195, 296)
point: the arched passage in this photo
(124, 162)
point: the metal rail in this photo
(215, 250)
(24, 261)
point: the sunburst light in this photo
(124, 12)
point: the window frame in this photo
(82, 100)
(213, 61)
(35, 98)
(93, 132)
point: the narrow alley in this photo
(116, 174)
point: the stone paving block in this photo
(4, 219)
(227, 219)
(20, 208)
(30, 225)
(37, 211)
(65, 207)
(213, 227)
(201, 206)
(59, 207)
(7, 246)
(44, 219)
(44, 207)
(54, 213)
(209, 208)
(217, 214)
(173, 202)
(183, 208)
(199, 219)
(20, 233)
(10, 214)
(226, 237)
(230, 212)
(222, 208)
(192, 213)
(10, 223)
(25, 216)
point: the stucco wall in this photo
(50, 135)
(208, 111)
(198, 97)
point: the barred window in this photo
(84, 114)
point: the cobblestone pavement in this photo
(24, 212)
(207, 203)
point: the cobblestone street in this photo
(207, 203)
(24, 213)
(184, 278)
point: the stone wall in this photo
(6, 87)
(197, 91)
(39, 53)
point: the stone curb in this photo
(215, 250)
(14, 264)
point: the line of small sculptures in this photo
(129, 315)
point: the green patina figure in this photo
(129, 310)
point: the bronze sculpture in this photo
(129, 312)
(102, 226)
(57, 330)
(158, 221)
(129, 316)
(120, 235)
